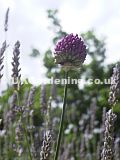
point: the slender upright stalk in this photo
(24, 127)
(62, 120)
(27, 141)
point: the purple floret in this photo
(70, 50)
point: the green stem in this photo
(27, 141)
(62, 120)
(24, 127)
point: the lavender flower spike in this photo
(115, 86)
(15, 65)
(46, 146)
(108, 148)
(70, 52)
(2, 50)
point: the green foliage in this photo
(56, 26)
(35, 53)
(49, 60)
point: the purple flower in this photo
(70, 52)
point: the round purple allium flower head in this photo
(70, 52)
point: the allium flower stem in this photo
(62, 120)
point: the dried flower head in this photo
(115, 86)
(70, 52)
